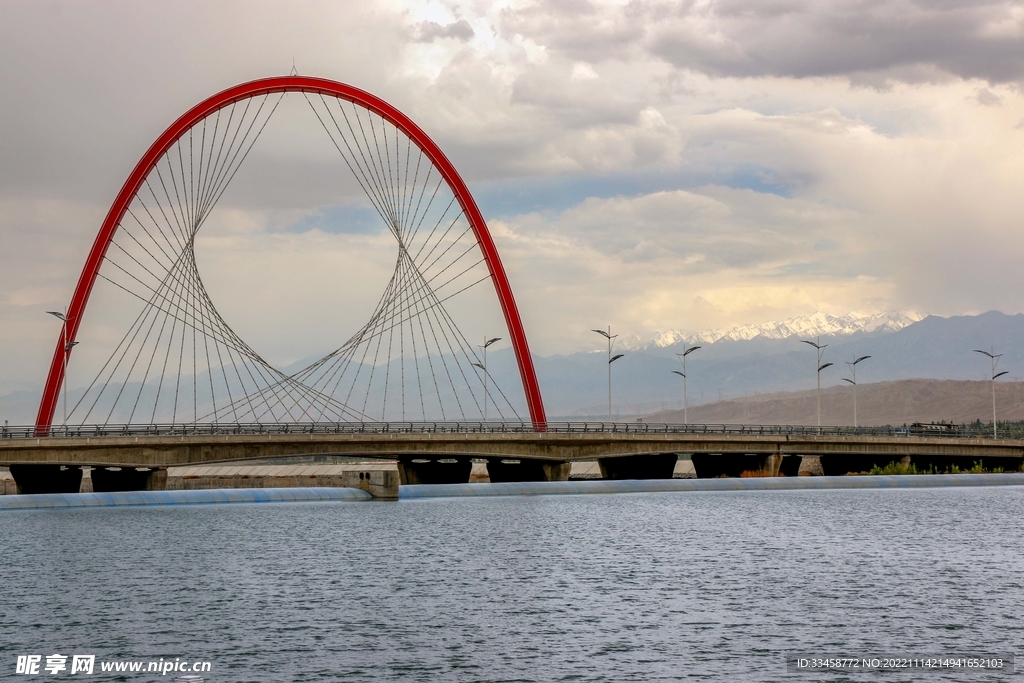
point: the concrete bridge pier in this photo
(381, 484)
(713, 465)
(507, 470)
(112, 479)
(47, 478)
(810, 466)
(429, 470)
(648, 466)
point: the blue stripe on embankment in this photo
(554, 488)
(195, 497)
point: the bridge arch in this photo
(266, 87)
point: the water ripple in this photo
(670, 586)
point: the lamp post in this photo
(853, 368)
(67, 350)
(487, 342)
(611, 359)
(994, 358)
(821, 349)
(682, 357)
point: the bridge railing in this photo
(571, 427)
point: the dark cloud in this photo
(903, 39)
(579, 29)
(429, 31)
(87, 89)
(987, 98)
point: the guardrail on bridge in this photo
(207, 429)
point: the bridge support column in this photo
(434, 470)
(47, 478)
(111, 479)
(506, 470)
(381, 484)
(653, 466)
(713, 465)
(810, 466)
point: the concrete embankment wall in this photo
(275, 476)
(241, 476)
(428, 491)
(558, 488)
(201, 497)
(303, 475)
(267, 476)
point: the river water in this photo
(638, 587)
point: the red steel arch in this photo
(266, 86)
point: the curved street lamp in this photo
(853, 368)
(682, 358)
(994, 357)
(609, 336)
(821, 349)
(610, 361)
(487, 342)
(67, 352)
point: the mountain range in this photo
(823, 324)
(742, 362)
(933, 347)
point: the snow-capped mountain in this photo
(823, 324)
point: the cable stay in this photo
(179, 361)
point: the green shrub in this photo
(899, 468)
(895, 468)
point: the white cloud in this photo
(581, 71)
(685, 168)
(682, 259)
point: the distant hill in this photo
(19, 407)
(932, 348)
(881, 403)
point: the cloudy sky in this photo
(652, 165)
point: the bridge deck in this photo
(170, 451)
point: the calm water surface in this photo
(645, 587)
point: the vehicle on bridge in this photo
(935, 429)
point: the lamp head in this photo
(615, 358)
